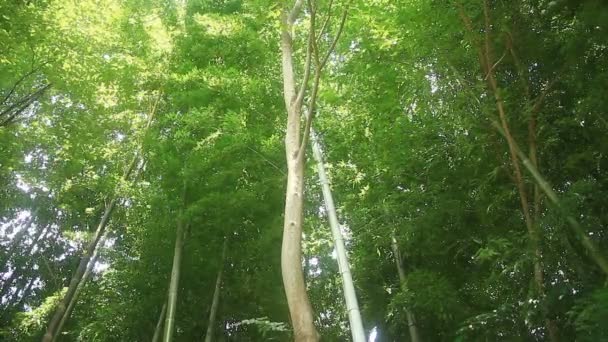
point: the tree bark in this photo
(52, 331)
(534, 236)
(411, 319)
(84, 262)
(78, 275)
(216, 297)
(72, 303)
(159, 324)
(352, 306)
(300, 309)
(174, 284)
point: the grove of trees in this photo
(306, 170)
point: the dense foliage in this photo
(466, 139)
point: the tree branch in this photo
(335, 41)
(295, 11)
(309, 48)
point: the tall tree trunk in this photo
(411, 319)
(300, 309)
(174, 284)
(84, 261)
(593, 250)
(83, 281)
(216, 297)
(78, 275)
(159, 324)
(534, 236)
(352, 307)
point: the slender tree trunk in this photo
(216, 297)
(174, 284)
(352, 307)
(411, 319)
(594, 251)
(534, 236)
(84, 261)
(300, 309)
(78, 275)
(159, 324)
(81, 285)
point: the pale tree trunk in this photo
(411, 319)
(159, 324)
(72, 303)
(216, 297)
(352, 307)
(78, 275)
(175, 272)
(300, 310)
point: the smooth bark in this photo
(296, 140)
(352, 306)
(72, 303)
(174, 284)
(300, 309)
(411, 319)
(159, 324)
(216, 297)
(78, 275)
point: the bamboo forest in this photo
(303, 170)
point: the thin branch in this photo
(310, 114)
(21, 105)
(494, 66)
(331, 2)
(295, 11)
(540, 99)
(309, 48)
(267, 160)
(335, 41)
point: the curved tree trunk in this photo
(300, 309)
(296, 140)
